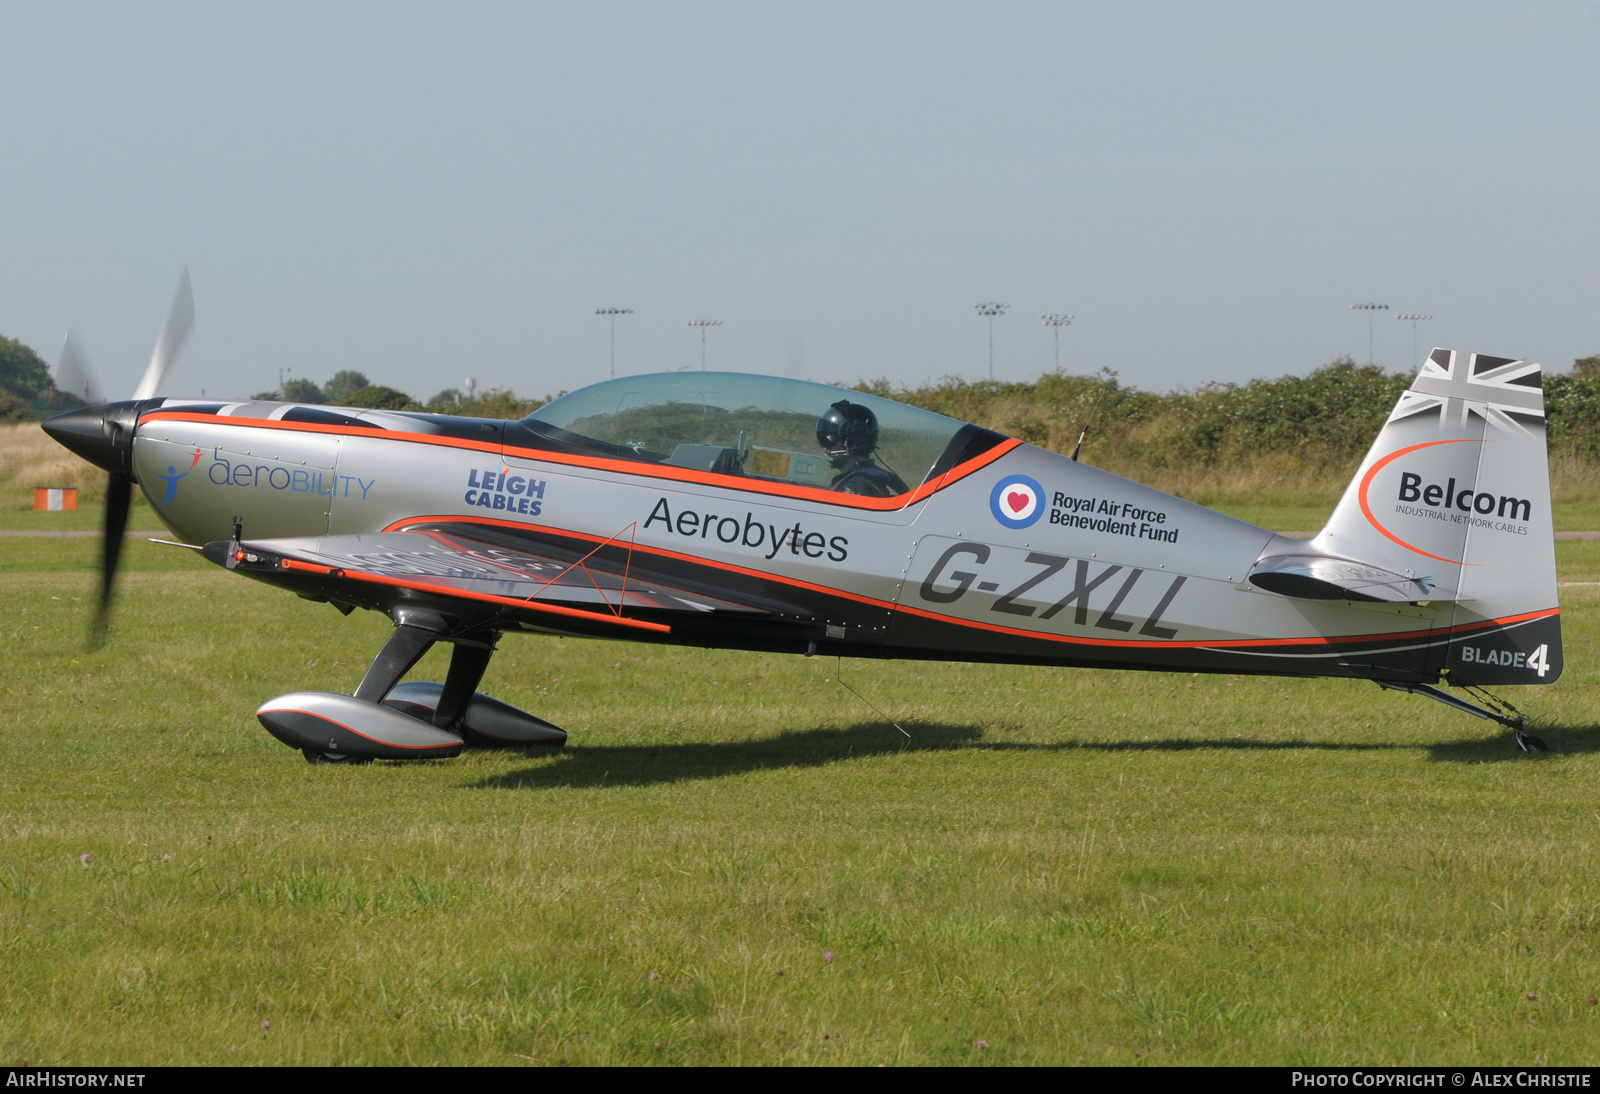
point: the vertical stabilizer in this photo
(1456, 493)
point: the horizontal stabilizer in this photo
(1311, 576)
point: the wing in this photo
(448, 565)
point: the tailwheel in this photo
(1529, 743)
(1495, 710)
(314, 757)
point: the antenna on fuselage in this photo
(1079, 447)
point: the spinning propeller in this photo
(102, 433)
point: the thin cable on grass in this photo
(839, 675)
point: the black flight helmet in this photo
(848, 427)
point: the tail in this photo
(1455, 495)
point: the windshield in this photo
(758, 427)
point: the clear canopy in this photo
(753, 426)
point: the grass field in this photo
(1057, 867)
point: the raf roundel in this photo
(1017, 501)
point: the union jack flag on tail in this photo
(1506, 394)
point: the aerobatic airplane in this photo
(757, 513)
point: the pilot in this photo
(848, 433)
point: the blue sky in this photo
(430, 192)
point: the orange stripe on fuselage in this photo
(622, 467)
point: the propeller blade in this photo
(73, 376)
(119, 497)
(180, 321)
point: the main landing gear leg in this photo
(1498, 710)
(454, 708)
(403, 650)
(468, 663)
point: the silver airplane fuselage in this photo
(1012, 553)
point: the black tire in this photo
(314, 757)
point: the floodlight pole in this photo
(703, 324)
(1055, 321)
(1369, 309)
(989, 311)
(612, 314)
(1414, 318)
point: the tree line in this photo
(1328, 417)
(26, 393)
(352, 388)
(1315, 424)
